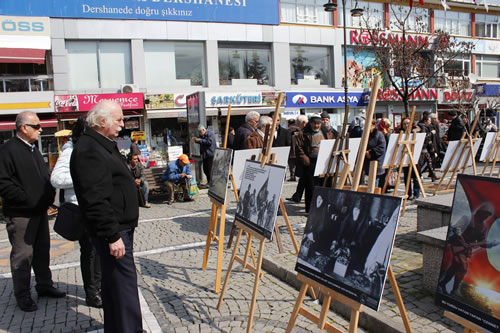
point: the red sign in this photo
(419, 95)
(383, 38)
(80, 103)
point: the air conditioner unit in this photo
(129, 88)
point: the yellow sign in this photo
(32, 105)
(139, 135)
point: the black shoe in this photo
(169, 202)
(188, 199)
(94, 301)
(26, 304)
(51, 292)
(292, 199)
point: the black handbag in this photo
(69, 222)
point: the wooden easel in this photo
(468, 326)
(465, 143)
(356, 308)
(407, 150)
(492, 156)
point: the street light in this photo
(355, 12)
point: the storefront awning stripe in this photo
(11, 125)
(32, 56)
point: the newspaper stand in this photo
(492, 156)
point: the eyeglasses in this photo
(36, 127)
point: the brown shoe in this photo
(147, 205)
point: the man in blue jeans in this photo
(178, 172)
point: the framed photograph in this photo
(260, 194)
(469, 280)
(348, 242)
(220, 175)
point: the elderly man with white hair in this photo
(208, 144)
(242, 133)
(256, 139)
(107, 196)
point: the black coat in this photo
(284, 137)
(240, 138)
(104, 186)
(376, 146)
(457, 129)
(24, 180)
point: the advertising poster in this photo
(469, 281)
(360, 68)
(348, 241)
(260, 194)
(220, 175)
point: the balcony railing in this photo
(26, 83)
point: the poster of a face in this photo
(469, 281)
(220, 174)
(260, 193)
(348, 241)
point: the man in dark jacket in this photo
(27, 193)
(457, 127)
(375, 151)
(107, 197)
(208, 144)
(283, 136)
(242, 133)
(137, 170)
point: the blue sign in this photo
(325, 99)
(234, 11)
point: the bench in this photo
(433, 241)
(153, 176)
(434, 211)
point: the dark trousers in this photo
(90, 266)
(291, 167)
(207, 167)
(120, 298)
(29, 238)
(299, 192)
(309, 182)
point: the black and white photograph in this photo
(220, 175)
(348, 241)
(259, 196)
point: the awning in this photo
(11, 125)
(31, 56)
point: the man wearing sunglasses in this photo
(27, 193)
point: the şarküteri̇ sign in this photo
(236, 11)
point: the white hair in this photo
(251, 115)
(103, 109)
(302, 118)
(264, 120)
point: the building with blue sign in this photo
(170, 49)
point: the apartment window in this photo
(310, 63)
(488, 66)
(459, 65)
(174, 64)
(487, 25)
(305, 11)
(98, 64)
(373, 15)
(24, 77)
(245, 62)
(454, 23)
(417, 21)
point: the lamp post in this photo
(355, 12)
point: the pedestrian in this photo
(230, 138)
(134, 149)
(425, 160)
(282, 136)
(137, 170)
(27, 193)
(107, 196)
(242, 133)
(89, 259)
(256, 139)
(457, 127)
(325, 121)
(301, 122)
(293, 128)
(208, 144)
(375, 151)
(413, 187)
(178, 173)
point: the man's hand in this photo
(138, 181)
(117, 249)
(182, 175)
(197, 140)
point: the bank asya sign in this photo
(236, 11)
(325, 99)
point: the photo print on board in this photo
(220, 175)
(260, 193)
(348, 241)
(469, 280)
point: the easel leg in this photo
(289, 226)
(256, 285)
(278, 237)
(220, 248)
(229, 268)
(327, 300)
(353, 325)
(399, 299)
(296, 308)
(213, 221)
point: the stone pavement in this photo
(179, 296)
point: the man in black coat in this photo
(27, 193)
(457, 127)
(242, 133)
(208, 144)
(107, 196)
(283, 136)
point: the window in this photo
(373, 14)
(488, 66)
(24, 77)
(417, 21)
(458, 66)
(310, 63)
(97, 64)
(242, 62)
(454, 23)
(174, 64)
(487, 25)
(305, 11)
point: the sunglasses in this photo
(36, 127)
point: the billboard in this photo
(325, 99)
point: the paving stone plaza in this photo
(177, 296)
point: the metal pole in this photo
(345, 61)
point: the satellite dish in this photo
(473, 78)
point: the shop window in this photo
(454, 23)
(174, 64)
(487, 25)
(242, 62)
(309, 62)
(373, 14)
(417, 21)
(488, 66)
(98, 64)
(458, 66)
(305, 11)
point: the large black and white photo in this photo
(259, 196)
(220, 175)
(348, 241)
